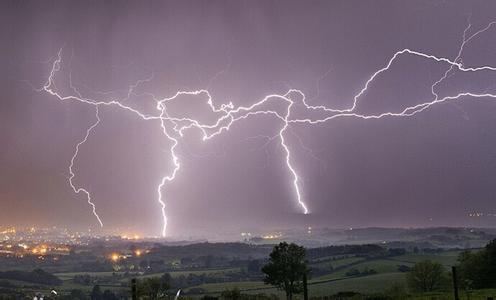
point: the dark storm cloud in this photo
(394, 172)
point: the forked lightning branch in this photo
(174, 127)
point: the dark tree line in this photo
(35, 276)
(359, 250)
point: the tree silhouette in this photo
(153, 288)
(426, 276)
(286, 268)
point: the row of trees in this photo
(476, 270)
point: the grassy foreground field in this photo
(387, 276)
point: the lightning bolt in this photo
(175, 161)
(288, 160)
(174, 127)
(78, 190)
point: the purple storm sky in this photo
(428, 170)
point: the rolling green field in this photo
(71, 275)
(447, 258)
(337, 263)
(386, 276)
(367, 284)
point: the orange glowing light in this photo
(114, 257)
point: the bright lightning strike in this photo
(174, 127)
(78, 190)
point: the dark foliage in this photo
(426, 276)
(286, 268)
(36, 276)
(359, 250)
(478, 270)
